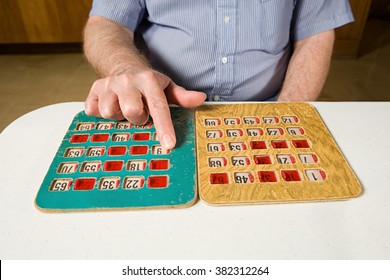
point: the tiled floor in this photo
(28, 82)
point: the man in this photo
(189, 51)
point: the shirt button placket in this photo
(226, 35)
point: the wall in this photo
(62, 21)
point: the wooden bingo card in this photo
(103, 164)
(269, 153)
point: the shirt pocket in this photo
(274, 24)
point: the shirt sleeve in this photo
(128, 13)
(315, 16)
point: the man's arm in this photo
(129, 87)
(109, 48)
(308, 68)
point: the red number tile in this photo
(139, 150)
(84, 184)
(267, 176)
(159, 164)
(258, 145)
(291, 175)
(100, 137)
(262, 159)
(219, 178)
(141, 136)
(279, 144)
(117, 150)
(113, 165)
(301, 144)
(79, 138)
(158, 181)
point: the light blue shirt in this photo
(230, 49)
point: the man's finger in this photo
(102, 102)
(109, 106)
(91, 103)
(159, 110)
(133, 107)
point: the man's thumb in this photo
(184, 98)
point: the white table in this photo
(354, 229)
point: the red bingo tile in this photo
(113, 165)
(100, 137)
(267, 176)
(79, 138)
(84, 184)
(141, 136)
(291, 175)
(301, 143)
(219, 178)
(158, 181)
(117, 151)
(159, 164)
(139, 150)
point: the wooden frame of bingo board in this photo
(336, 178)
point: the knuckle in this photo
(126, 77)
(131, 111)
(95, 86)
(107, 113)
(147, 75)
(88, 109)
(108, 83)
(96, 89)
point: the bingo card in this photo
(104, 164)
(269, 153)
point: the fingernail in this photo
(167, 142)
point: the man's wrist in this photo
(130, 69)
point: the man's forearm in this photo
(109, 48)
(308, 68)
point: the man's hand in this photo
(130, 89)
(135, 95)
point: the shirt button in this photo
(226, 19)
(224, 60)
(217, 98)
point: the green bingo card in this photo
(104, 164)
